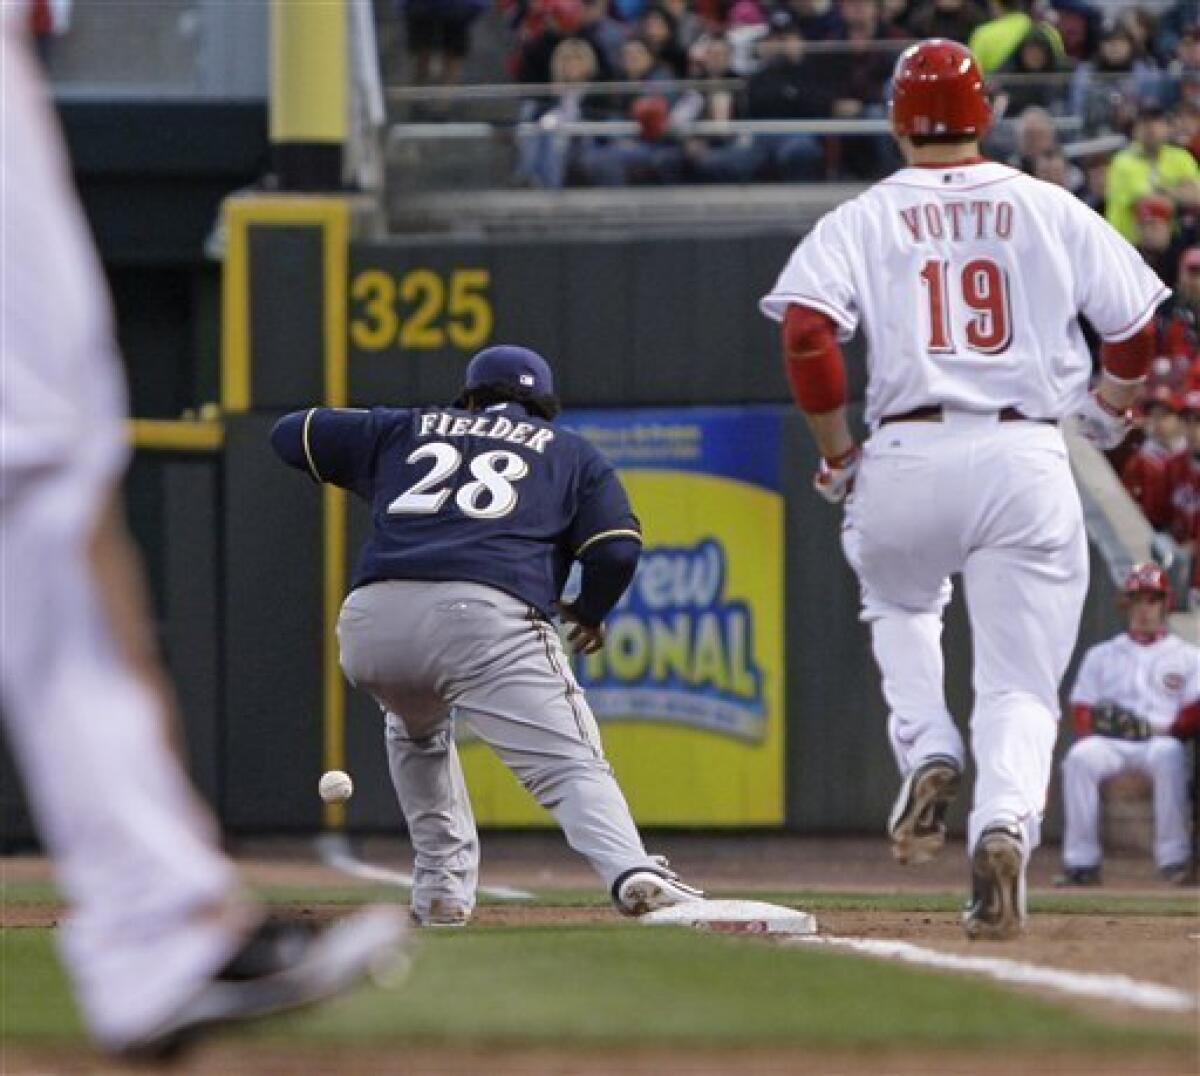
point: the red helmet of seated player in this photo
(937, 90)
(1147, 620)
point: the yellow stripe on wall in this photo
(176, 435)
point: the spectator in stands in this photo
(1036, 136)
(788, 86)
(1035, 74)
(659, 30)
(1182, 18)
(558, 20)
(856, 79)
(1151, 165)
(1179, 335)
(955, 20)
(1000, 37)
(439, 36)
(1147, 472)
(640, 64)
(604, 33)
(1053, 167)
(746, 28)
(817, 20)
(1095, 170)
(1185, 493)
(1115, 77)
(689, 25)
(728, 159)
(546, 157)
(1080, 25)
(1158, 239)
(651, 156)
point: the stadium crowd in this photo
(1126, 81)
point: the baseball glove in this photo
(1117, 723)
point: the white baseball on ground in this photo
(335, 786)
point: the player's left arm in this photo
(329, 444)
(606, 538)
(1119, 294)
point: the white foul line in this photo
(1106, 986)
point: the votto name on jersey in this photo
(961, 220)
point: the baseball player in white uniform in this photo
(966, 277)
(1135, 700)
(160, 941)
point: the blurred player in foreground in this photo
(478, 511)
(1136, 698)
(160, 941)
(967, 277)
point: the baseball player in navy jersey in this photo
(478, 512)
(966, 277)
(160, 940)
(1135, 700)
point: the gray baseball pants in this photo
(433, 653)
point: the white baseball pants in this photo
(993, 501)
(152, 905)
(134, 854)
(442, 652)
(1096, 758)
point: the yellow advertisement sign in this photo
(689, 690)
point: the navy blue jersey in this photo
(497, 497)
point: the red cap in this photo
(938, 89)
(1146, 578)
(567, 14)
(1154, 207)
(653, 115)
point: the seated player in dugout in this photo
(478, 512)
(1135, 702)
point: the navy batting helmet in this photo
(518, 368)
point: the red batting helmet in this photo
(937, 89)
(1146, 578)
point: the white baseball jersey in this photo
(1153, 680)
(967, 281)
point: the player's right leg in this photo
(158, 924)
(1026, 579)
(432, 792)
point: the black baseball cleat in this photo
(644, 889)
(997, 908)
(917, 825)
(281, 966)
(1079, 876)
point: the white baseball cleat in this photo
(280, 966)
(917, 825)
(997, 908)
(647, 889)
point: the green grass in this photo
(629, 986)
(1170, 903)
